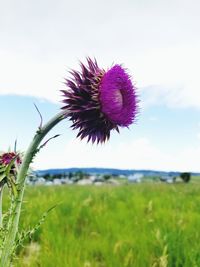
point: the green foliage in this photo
(28, 234)
(79, 175)
(107, 177)
(186, 176)
(143, 225)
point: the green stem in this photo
(21, 179)
(1, 206)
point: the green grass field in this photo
(141, 225)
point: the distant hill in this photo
(95, 171)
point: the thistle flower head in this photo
(98, 101)
(6, 158)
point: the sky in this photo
(157, 41)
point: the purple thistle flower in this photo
(6, 158)
(98, 101)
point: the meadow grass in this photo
(140, 225)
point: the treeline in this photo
(75, 176)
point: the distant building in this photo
(167, 178)
(93, 178)
(135, 178)
(66, 181)
(57, 181)
(122, 176)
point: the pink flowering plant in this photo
(96, 101)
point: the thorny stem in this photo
(1, 208)
(21, 179)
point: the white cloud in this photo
(22, 75)
(138, 154)
(171, 76)
(188, 159)
(156, 41)
(165, 77)
(135, 154)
